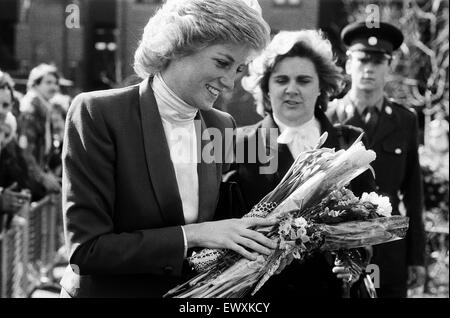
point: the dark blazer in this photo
(397, 172)
(312, 278)
(122, 209)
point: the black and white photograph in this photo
(257, 150)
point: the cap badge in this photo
(398, 151)
(372, 40)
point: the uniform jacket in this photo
(397, 173)
(122, 209)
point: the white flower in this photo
(301, 233)
(285, 228)
(384, 207)
(300, 222)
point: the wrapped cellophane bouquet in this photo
(315, 212)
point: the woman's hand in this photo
(233, 234)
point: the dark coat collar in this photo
(285, 158)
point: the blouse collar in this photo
(170, 105)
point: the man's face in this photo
(48, 86)
(368, 70)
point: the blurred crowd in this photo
(31, 136)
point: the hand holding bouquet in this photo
(314, 212)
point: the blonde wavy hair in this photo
(310, 44)
(180, 28)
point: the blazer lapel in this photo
(159, 164)
(207, 174)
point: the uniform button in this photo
(388, 110)
(398, 151)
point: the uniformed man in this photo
(392, 130)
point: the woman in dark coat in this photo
(135, 198)
(291, 83)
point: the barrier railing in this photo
(29, 247)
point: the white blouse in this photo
(300, 138)
(178, 122)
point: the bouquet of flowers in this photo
(314, 212)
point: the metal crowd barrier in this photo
(29, 247)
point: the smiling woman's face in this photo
(201, 77)
(293, 90)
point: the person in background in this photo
(34, 131)
(12, 196)
(291, 82)
(392, 130)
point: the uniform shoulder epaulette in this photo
(394, 103)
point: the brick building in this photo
(93, 41)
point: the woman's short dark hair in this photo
(310, 44)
